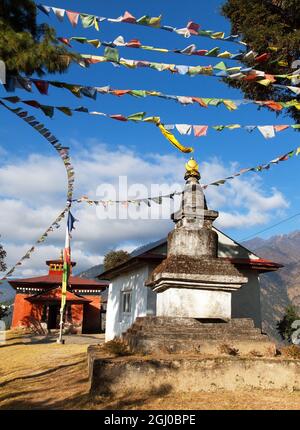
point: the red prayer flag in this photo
(65, 40)
(262, 58)
(134, 43)
(200, 101)
(127, 17)
(200, 52)
(73, 17)
(193, 27)
(118, 117)
(200, 130)
(280, 127)
(42, 86)
(120, 93)
(272, 105)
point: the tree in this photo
(271, 27)
(115, 258)
(284, 327)
(26, 46)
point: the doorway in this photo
(53, 317)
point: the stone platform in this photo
(186, 374)
(169, 335)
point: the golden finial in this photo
(61, 255)
(192, 169)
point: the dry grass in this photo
(51, 376)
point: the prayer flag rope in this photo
(49, 111)
(88, 20)
(78, 90)
(189, 50)
(159, 199)
(268, 131)
(63, 153)
(54, 225)
(219, 70)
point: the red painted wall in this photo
(25, 312)
(86, 317)
(91, 320)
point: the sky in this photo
(32, 177)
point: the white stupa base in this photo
(193, 303)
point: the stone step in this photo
(198, 333)
(193, 338)
(190, 323)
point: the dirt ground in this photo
(51, 376)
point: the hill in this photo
(282, 288)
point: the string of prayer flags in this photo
(219, 70)
(259, 168)
(49, 110)
(189, 50)
(18, 82)
(159, 199)
(111, 55)
(54, 225)
(268, 131)
(88, 20)
(62, 151)
(147, 200)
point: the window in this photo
(126, 302)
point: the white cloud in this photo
(34, 191)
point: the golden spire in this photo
(192, 169)
(61, 255)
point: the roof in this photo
(145, 254)
(56, 279)
(54, 295)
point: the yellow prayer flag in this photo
(172, 139)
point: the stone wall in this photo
(115, 375)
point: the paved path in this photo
(75, 339)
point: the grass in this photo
(51, 376)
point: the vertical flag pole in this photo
(66, 273)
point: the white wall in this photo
(192, 303)
(134, 281)
(246, 301)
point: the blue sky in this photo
(31, 197)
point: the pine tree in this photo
(26, 46)
(284, 326)
(115, 258)
(265, 25)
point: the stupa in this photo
(192, 281)
(194, 287)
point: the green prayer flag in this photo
(213, 52)
(79, 39)
(138, 93)
(65, 110)
(48, 110)
(112, 54)
(139, 116)
(87, 20)
(143, 20)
